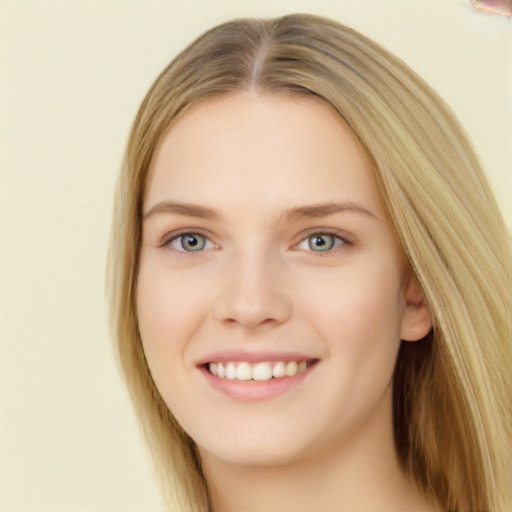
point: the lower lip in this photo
(252, 391)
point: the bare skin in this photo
(351, 478)
(264, 241)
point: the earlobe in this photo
(416, 321)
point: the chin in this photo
(255, 456)
(261, 446)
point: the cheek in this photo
(359, 324)
(170, 308)
(359, 315)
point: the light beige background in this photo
(72, 76)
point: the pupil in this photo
(192, 242)
(321, 242)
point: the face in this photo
(271, 293)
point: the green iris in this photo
(321, 242)
(192, 242)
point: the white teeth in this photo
(291, 369)
(221, 371)
(231, 371)
(279, 370)
(264, 371)
(244, 372)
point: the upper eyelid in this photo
(208, 244)
(339, 233)
(172, 235)
(167, 243)
(343, 241)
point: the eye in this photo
(321, 242)
(190, 242)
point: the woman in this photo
(310, 281)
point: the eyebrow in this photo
(289, 215)
(323, 210)
(188, 209)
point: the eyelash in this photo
(337, 239)
(168, 242)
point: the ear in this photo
(416, 322)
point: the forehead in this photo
(253, 147)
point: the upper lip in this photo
(253, 357)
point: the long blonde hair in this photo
(452, 400)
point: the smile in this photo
(254, 376)
(261, 371)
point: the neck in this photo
(358, 474)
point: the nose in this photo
(253, 294)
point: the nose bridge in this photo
(253, 291)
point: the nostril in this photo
(264, 311)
